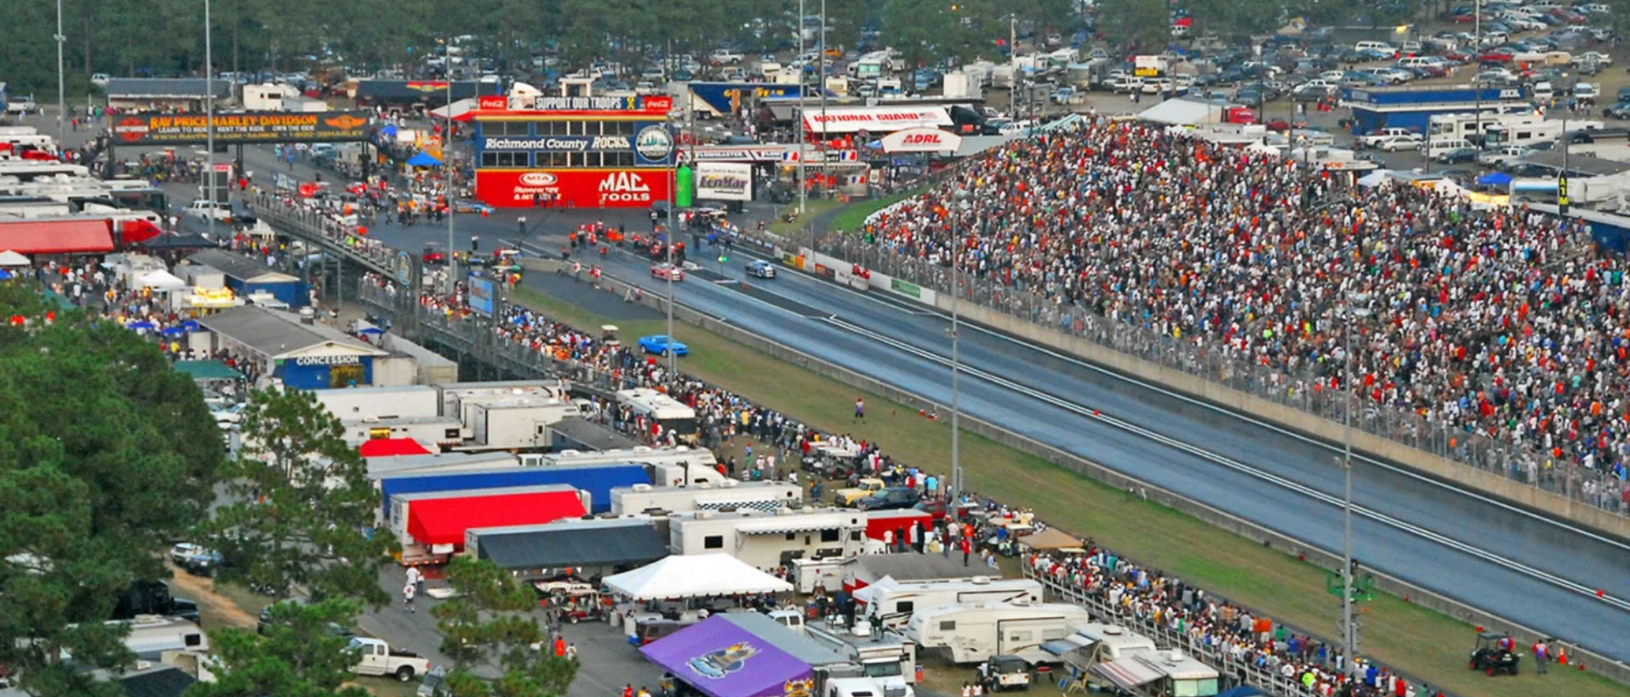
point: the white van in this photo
(1381, 46)
(1438, 146)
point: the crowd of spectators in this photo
(1499, 321)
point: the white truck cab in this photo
(375, 657)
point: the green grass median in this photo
(1420, 642)
(853, 218)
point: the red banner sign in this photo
(578, 188)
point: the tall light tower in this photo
(1357, 306)
(209, 120)
(959, 204)
(802, 135)
(447, 170)
(62, 90)
(673, 236)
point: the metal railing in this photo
(290, 216)
(1265, 675)
(1289, 388)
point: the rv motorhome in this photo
(729, 496)
(973, 633)
(768, 540)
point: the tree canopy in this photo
(106, 454)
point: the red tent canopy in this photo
(444, 521)
(56, 236)
(137, 231)
(389, 447)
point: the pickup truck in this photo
(1377, 137)
(862, 489)
(725, 57)
(375, 657)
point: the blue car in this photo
(660, 345)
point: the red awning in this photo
(137, 231)
(56, 236)
(390, 447)
(444, 521)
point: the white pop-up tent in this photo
(10, 258)
(694, 576)
(162, 280)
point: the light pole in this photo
(673, 196)
(959, 204)
(209, 121)
(1357, 307)
(62, 91)
(802, 136)
(447, 171)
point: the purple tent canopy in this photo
(723, 660)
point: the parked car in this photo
(1620, 110)
(195, 558)
(890, 499)
(1457, 156)
(761, 269)
(661, 345)
(1499, 157)
(1588, 56)
(1396, 143)
(375, 657)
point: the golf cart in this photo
(1004, 672)
(1492, 656)
(608, 336)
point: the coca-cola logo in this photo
(538, 179)
(490, 101)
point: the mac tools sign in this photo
(718, 181)
(921, 140)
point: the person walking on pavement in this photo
(967, 549)
(407, 597)
(415, 578)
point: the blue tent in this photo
(173, 331)
(1241, 691)
(1494, 179)
(134, 326)
(423, 160)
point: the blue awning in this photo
(1494, 179)
(423, 159)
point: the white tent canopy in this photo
(864, 594)
(10, 258)
(162, 280)
(694, 576)
(459, 109)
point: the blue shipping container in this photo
(597, 480)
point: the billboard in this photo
(481, 295)
(729, 97)
(719, 181)
(580, 188)
(651, 143)
(246, 127)
(874, 119)
(921, 140)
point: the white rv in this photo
(731, 495)
(768, 540)
(358, 403)
(973, 633)
(152, 636)
(896, 602)
(656, 406)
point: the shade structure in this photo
(695, 576)
(388, 447)
(720, 659)
(445, 521)
(1494, 179)
(10, 258)
(423, 159)
(1051, 538)
(161, 280)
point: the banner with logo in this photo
(248, 127)
(921, 140)
(874, 119)
(481, 295)
(720, 181)
(579, 188)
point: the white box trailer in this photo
(358, 403)
(886, 657)
(897, 601)
(510, 423)
(768, 540)
(441, 430)
(453, 395)
(730, 496)
(973, 633)
(679, 466)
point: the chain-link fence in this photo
(1293, 389)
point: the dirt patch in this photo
(214, 608)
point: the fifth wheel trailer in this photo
(896, 601)
(973, 633)
(731, 495)
(431, 525)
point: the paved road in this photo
(1470, 548)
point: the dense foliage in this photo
(106, 455)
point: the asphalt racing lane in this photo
(1459, 574)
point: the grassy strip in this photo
(813, 209)
(853, 218)
(1408, 637)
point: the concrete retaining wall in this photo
(1178, 381)
(1080, 465)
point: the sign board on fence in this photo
(481, 295)
(921, 140)
(246, 127)
(724, 181)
